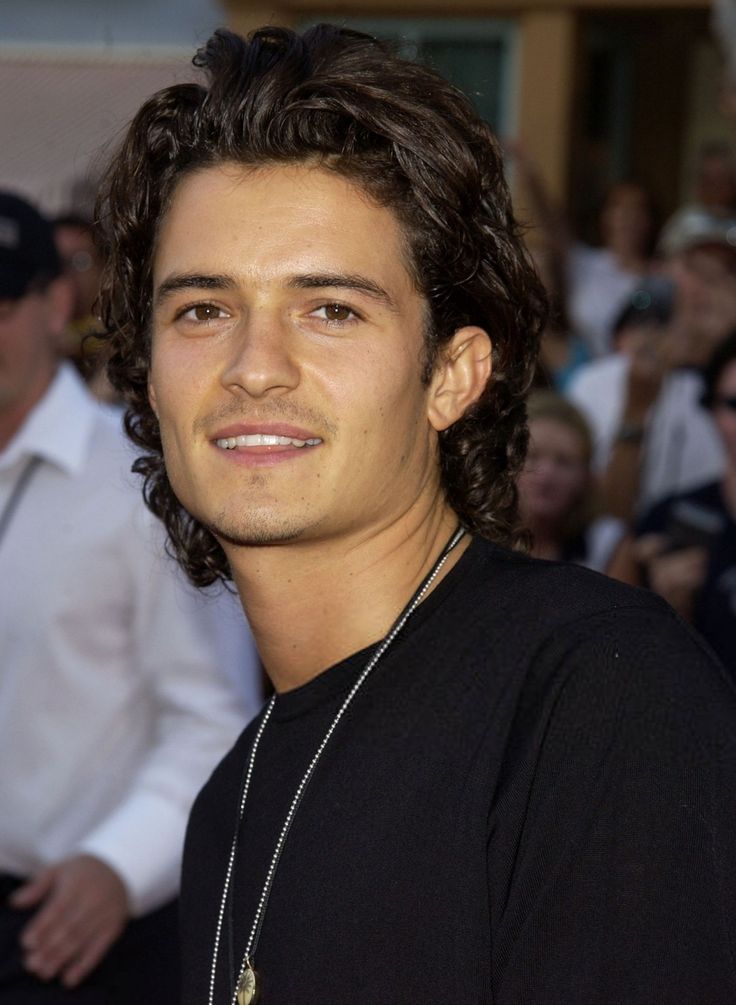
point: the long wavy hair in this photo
(410, 140)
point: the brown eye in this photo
(206, 312)
(337, 312)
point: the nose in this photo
(261, 359)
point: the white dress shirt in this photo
(114, 703)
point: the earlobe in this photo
(152, 399)
(460, 377)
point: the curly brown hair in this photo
(415, 144)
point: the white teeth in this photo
(264, 440)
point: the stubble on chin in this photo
(254, 528)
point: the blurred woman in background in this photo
(556, 488)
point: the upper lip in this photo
(266, 428)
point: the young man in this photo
(481, 778)
(114, 703)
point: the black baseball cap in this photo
(28, 255)
(652, 301)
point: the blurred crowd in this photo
(632, 461)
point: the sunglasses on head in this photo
(728, 401)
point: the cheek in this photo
(379, 399)
(174, 386)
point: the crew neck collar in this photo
(339, 677)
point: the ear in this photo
(152, 397)
(460, 376)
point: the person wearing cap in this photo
(714, 185)
(114, 705)
(652, 437)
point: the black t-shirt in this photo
(714, 613)
(530, 801)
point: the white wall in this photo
(108, 22)
(72, 75)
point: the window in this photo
(476, 54)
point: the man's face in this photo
(706, 296)
(287, 339)
(28, 327)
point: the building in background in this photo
(73, 73)
(595, 91)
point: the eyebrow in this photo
(192, 281)
(307, 281)
(342, 281)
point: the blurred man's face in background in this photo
(706, 298)
(30, 328)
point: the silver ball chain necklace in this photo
(248, 981)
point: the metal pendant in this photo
(248, 987)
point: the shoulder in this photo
(581, 646)
(532, 602)
(549, 610)
(570, 590)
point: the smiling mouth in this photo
(264, 440)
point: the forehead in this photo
(263, 222)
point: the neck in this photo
(311, 604)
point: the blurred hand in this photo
(646, 350)
(675, 575)
(82, 909)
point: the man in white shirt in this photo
(114, 705)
